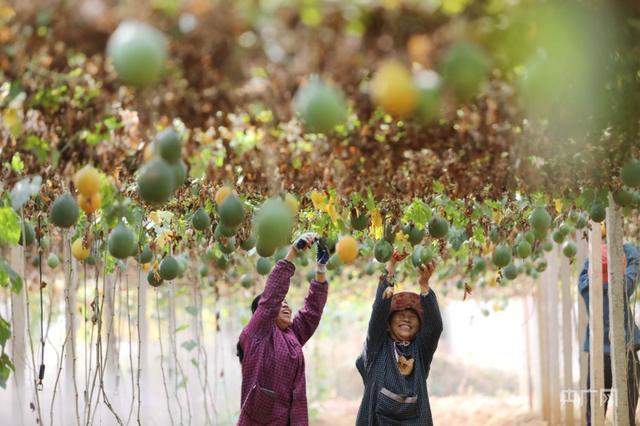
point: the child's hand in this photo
(395, 258)
(398, 257)
(426, 271)
(305, 240)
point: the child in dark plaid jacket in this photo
(403, 335)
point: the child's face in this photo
(404, 325)
(284, 316)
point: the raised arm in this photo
(307, 319)
(431, 327)
(378, 323)
(377, 331)
(271, 300)
(275, 291)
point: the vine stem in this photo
(172, 343)
(55, 385)
(139, 372)
(202, 352)
(89, 401)
(70, 296)
(28, 315)
(133, 389)
(164, 379)
(138, 316)
(102, 362)
(87, 373)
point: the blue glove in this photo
(323, 254)
(305, 240)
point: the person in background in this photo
(270, 346)
(632, 333)
(403, 335)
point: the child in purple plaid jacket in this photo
(270, 346)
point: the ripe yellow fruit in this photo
(90, 204)
(222, 193)
(78, 250)
(87, 181)
(393, 89)
(347, 249)
(292, 203)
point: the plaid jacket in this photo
(389, 397)
(632, 333)
(273, 378)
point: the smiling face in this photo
(404, 325)
(284, 316)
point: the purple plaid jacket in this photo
(273, 379)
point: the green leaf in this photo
(495, 205)
(370, 202)
(42, 150)
(16, 163)
(296, 163)
(191, 310)
(9, 226)
(5, 331)
(189, 345)
(418, 213)
(112, 123)
(6, 367)
(182, 328)
(478, 234)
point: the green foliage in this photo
(16, 163)
(9, 277)
(6, 367)
(5, 332)
(418, 213)
(101, 131)
(189, 345)
(51, 99)
(9, 226)
(42, 150)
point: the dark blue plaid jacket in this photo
(389, 397)
(632, 334)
